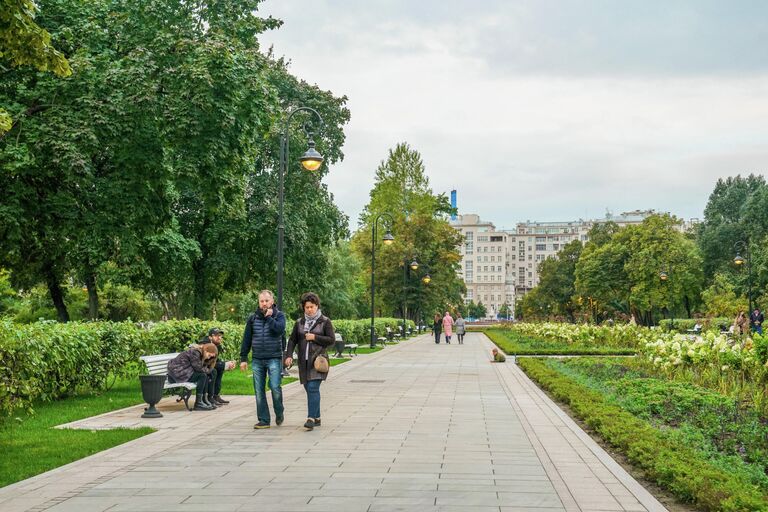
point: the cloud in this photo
(542, 110)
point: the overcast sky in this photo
(541, 109)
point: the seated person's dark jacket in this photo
(181, 367)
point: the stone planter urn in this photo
(152, 391)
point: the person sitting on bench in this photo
(194, 365)
(217, 371)
(498, 357)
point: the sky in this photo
(540, 109)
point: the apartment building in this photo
(484, 263)
(499, 266)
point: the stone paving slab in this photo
(417, 426)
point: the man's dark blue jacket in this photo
(263, 335)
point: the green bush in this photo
(48, 360)
(671, 463)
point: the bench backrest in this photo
(338, 337)
(158, 364)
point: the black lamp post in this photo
(664, 276)
(739, 247)
(387, 239)
(413, 265)
(311, 161)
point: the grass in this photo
(515, 343)
(30, 445)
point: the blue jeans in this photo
(260, 369)
(313, 398)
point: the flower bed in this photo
(699, 444)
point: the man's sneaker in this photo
(310, 424)
(279, 420)
(317, 422)
(220, 400)
(261, 424)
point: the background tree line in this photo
(152, 166)
(140, 177)
(616, 274)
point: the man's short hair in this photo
(267, 292)
(213, 331)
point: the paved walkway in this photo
(414, 427)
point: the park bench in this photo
(340, 346)
(158, 365)
(392, 335)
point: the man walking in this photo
(263, 334)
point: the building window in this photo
(469, 264)
(469, 236)
(468, 249)
(469, 276)
(541, 247)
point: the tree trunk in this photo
(93, 295)
(57, 296)
(687, 303)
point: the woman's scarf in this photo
(310, 321)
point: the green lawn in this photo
(31, 446)
(514, 343)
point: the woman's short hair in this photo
(310, 297)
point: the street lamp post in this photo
(311, 161)
(738, 248)
(664, 276)
(414, 265)
(387, 239)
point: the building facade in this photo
(500, 266)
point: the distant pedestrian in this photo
(740, 324)
(437, 325)
(756, 320)
(460, 328)
(312, 335)
(448, 327)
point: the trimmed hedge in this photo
(514, 343)
(671, 464)
(48, 360)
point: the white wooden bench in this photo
(158, 365)
(351, 348)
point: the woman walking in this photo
(437, 324)
(460, 328)
(311, 336)
(448, 327)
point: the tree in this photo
(557, 280)
(735, 211)
(421, 231)
(159, 155)
(720, 298)
(24, 43)
(505, 311)
(625, 272)
(343, 292)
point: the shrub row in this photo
(48, 360)
(519, 344)
(671, 464)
